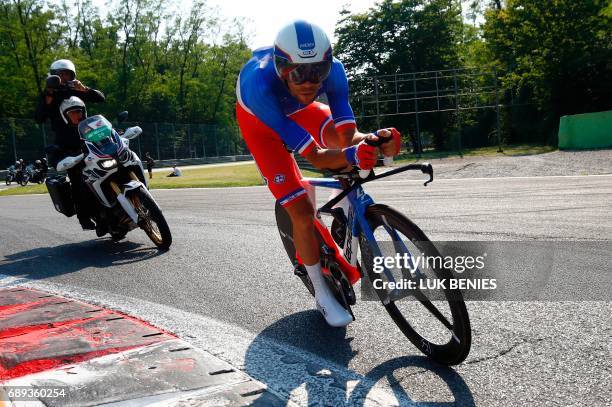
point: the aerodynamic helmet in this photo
(302, 52)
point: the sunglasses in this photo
(301, 73)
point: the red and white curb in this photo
(79, 354)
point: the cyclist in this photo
(276, 107)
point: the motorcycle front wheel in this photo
(152, 220)
(24, 180)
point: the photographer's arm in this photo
(91, 95)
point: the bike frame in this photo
(359, 201)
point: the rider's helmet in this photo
(17, 164)
(37, 162)
(302, 53)
(73, 110)
(62, 65)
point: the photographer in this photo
(62, 86)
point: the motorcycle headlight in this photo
(108, 164)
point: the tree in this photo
(159, 68)
(554, 54)
(27, 33)
(401, 37)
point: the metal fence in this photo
(453, 95)
(23, 138)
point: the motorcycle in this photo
(35, 174)
(22, 177)
(115, 176)
(10, 175)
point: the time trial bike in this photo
(439, 327)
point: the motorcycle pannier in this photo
(59, 189)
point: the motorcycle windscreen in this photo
(99, 131)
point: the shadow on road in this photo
(320, 366)
(45, 262)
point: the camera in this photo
(53, 81)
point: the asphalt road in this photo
(227, 286)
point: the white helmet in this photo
(62, 65)
(302, 52)
(72, 103)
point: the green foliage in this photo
(554, 54)
(400, 37)
(552, 57)
(160, 67)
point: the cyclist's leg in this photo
(275, 163)
(284, 181)
(316, 119)
(283, 178)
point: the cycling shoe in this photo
(334, 313)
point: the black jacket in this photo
(65, 136)
(150, 161)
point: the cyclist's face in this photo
(305, 93)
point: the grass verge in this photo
(224, 176)
(508, 151)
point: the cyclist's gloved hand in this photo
(361, 155)
(390, 149)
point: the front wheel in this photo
(8, 180)
(24, 180)
(440, 328)
(152, 220)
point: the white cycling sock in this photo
(335, 314)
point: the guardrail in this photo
(183, 162)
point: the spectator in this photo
(150, 164)
(176, 172)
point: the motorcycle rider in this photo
(19, 169)
(61, 85)
(38, 170)
(14, 169)
(44, 167)
(72, 111)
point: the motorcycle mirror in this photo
(53, 81)
(69, 162)
(132, 132)
(121, 117)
